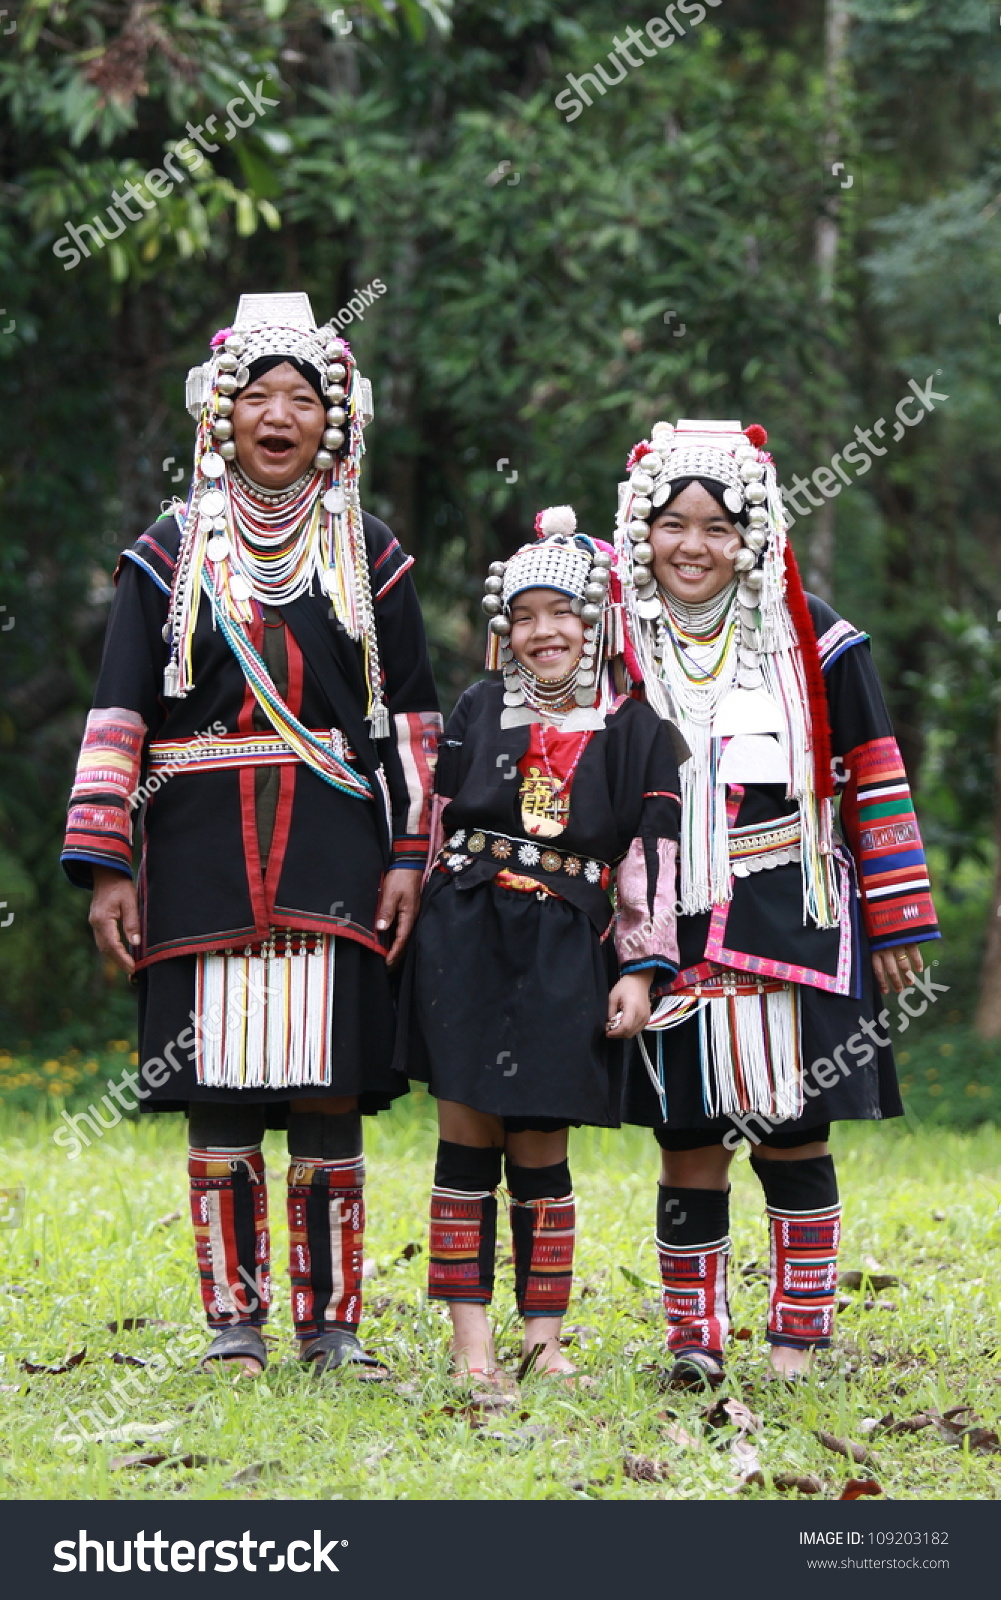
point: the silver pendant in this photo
(584, 697)
(217, 548)
(239, 588)
(649, 610)
(213, 501)
(586, 679)
(242, 376)
(514, 697)
(212, 465)
(334, 500)
(733, 500)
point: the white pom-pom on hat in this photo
(556, 520)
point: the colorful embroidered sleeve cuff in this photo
(417, 735)
(411, 850)
(877, 816)
(646, 932)
(103, 797)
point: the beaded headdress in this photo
(325, 504)
(759, 715)
(559, 558)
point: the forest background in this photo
(786, 217)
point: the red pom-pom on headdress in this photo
(757, 435)
(637, 453)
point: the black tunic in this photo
(228, 853)
(848, 1073)
(507, 989)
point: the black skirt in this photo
(845, 1086)
(506, 1001)
(362, 1029)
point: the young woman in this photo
(551, 787)
(788, 928)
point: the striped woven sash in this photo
(227, 750)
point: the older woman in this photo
(772, 1029)
(266, 706)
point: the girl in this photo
(550, 786)
(785, 924)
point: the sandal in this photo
(234, 1344)
(695, 1371)
(338, 1348)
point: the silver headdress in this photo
(562, 559)
(746, 711)
(326, 503)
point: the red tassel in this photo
(823, 778)
(757, 435)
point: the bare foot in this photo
(543, 1355)
(472, 1341)
(787, 1362)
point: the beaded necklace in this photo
(276, 549)
(697, 649)
(551, 696)
(559, 784)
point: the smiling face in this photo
(546, 634)
(694, 543)
(278, 422)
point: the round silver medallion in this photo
(584, 696)
(212, 464)
(649, 610)
(217, 548)
(733, 500)
(239, 588)
(514, 698)
(329, 580)
(213, 501)
(334, 500)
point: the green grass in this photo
(92, 1249)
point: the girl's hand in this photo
(895, 968)
(629, 1005)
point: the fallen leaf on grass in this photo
(732, 1413)
(845, 1301)
(805, 1482)
(251, 1474)
(408, 1252)
(118, 1463)
(676, 1433)
(906, 1424)
(166, 1220)
(121, 1360)
(635, 1279)
(52, 1372)
(855, 1488)
(743, 1333)
(876, 1281)
(643, 1469)
(982, 1441)
(843, 1447)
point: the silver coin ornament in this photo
(743, 561)
(751, 471)
(212, 464)
(226, 383)
(513, 697)
(239, 588)
(733, 500)
(756, 494)
(329, 580)
(323, 461)
(228, 450)
(228, 363)
(242, 377)
(641, 482)
(584, 696)
(662, 495)
(217, 548)
(747, 596)
(643, 553)
(334, 500)
(222, 428)
(649, 610)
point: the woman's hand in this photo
(895, 968)
(399, 902)
(629, 1005)
(114, 916)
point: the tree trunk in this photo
(987, 1021)
(820, 567)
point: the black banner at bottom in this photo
(495, 1548)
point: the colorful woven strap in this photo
(228, 750)
(307, 745)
